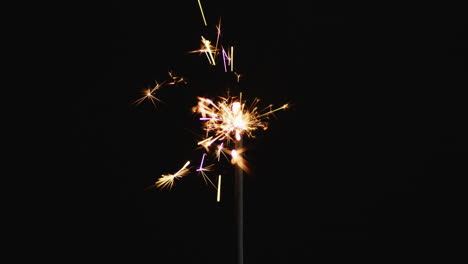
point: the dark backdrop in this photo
(359, 167)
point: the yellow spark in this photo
(206, 143)
(208, 48)
(167, 180)
(218, 196)
(232, 58)
(238, 75)
(201, 10)
(274, 110)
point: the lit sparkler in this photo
(224, 120)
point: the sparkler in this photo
(228, 120)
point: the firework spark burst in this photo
(229, 119)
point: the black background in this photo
(361, 166)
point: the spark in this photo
(148, 94)
(273, 110)
(218, 27)
(208, 49)
(218, 196)
(176, 79)
(225, 57)
(238, 75)
(201, 10)
(220, 151)
(232, 58)
(206, 143)
(202, 170)
(167, 180)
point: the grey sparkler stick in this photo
(239, 205)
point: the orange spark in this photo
(149, 94)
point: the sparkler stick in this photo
(239, 204)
